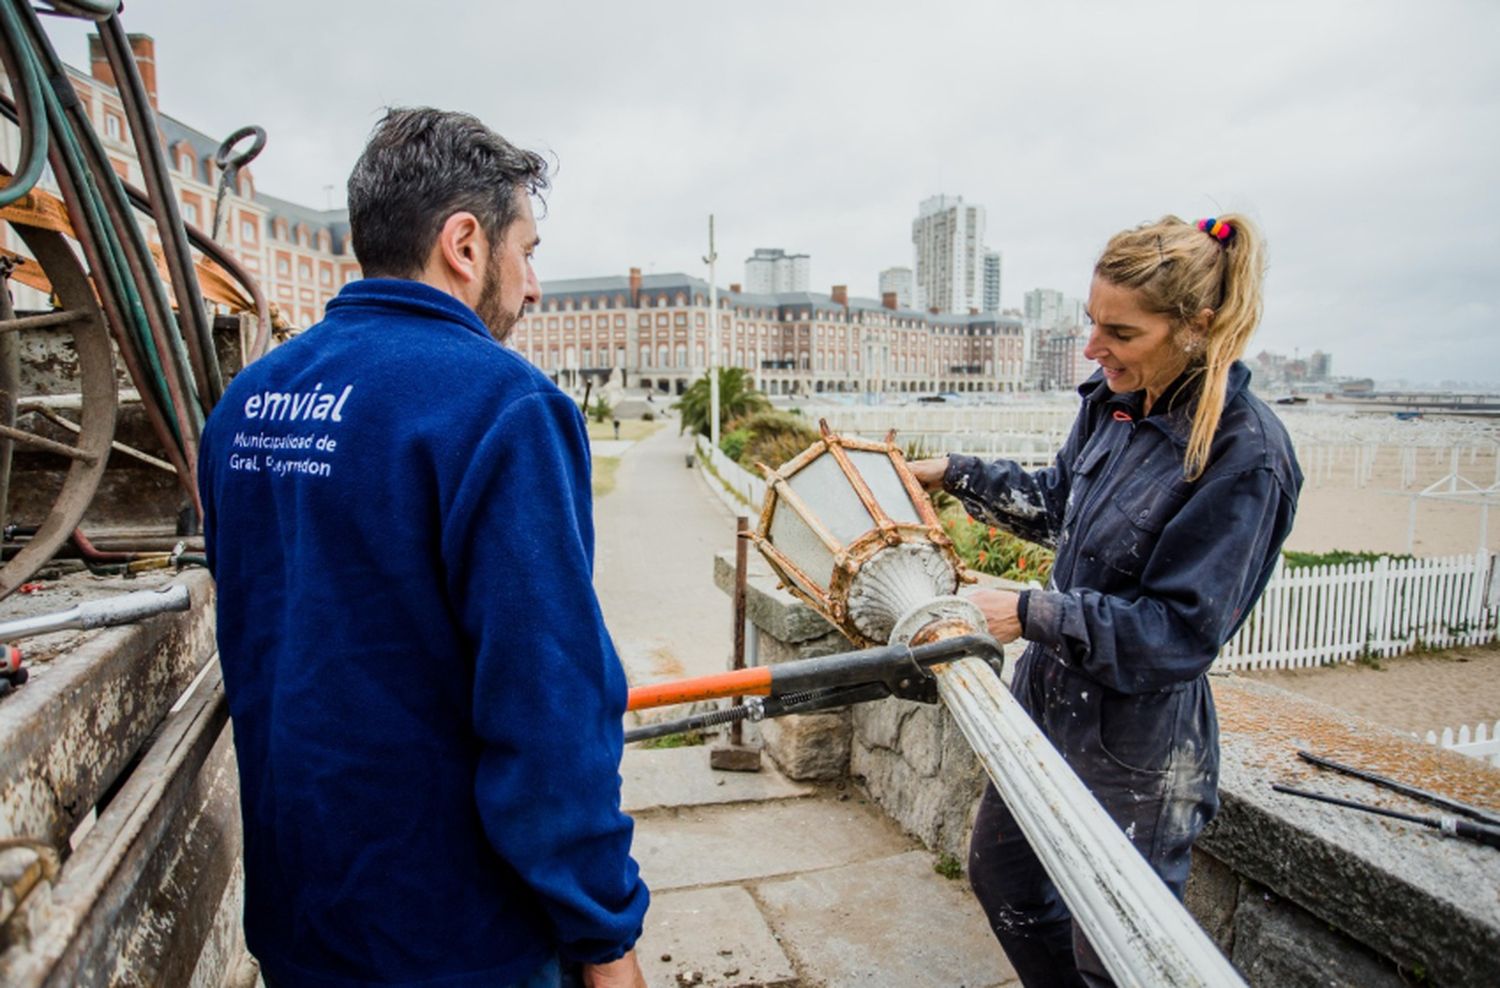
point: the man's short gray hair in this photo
(420, 167)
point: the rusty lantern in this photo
(848, 529)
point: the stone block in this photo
(771, 651)
(1278, 945)
(774, 611)
(809, 746)
(1212, 892)
(878, 724)
(1407, 893)
(922, 740)
(734, 758)
(959, 760)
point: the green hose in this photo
(34, 136)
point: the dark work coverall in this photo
(1153, 574)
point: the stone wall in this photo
(1296, 893)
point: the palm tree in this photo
(736, 398)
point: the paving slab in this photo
(659, 778)
(892, 921)
(711, 937)
(715, 845)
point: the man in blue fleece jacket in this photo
(426, 704)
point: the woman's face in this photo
(1136, 349)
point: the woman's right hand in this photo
(929, 473)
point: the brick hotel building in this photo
(301, 256)
(653, 330)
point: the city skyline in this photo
(1362, 139)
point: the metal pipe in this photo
(1141, 932)
(100, 613)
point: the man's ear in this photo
(463, 247)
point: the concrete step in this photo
(759, 881)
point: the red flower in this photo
(1021, 563)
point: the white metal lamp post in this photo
(713, 337)
(849, 530)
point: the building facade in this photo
(1048, 308)
(651, 331)
(300, 256)
(1060, 363)
(772, 270)
(991, 300)
(948, 247)
(897, 281)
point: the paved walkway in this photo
(756, 881)
(656, 535)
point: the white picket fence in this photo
(1318, 615)
(1321, 614)
(1482, 743)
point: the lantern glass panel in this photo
(801, 545)
(830, 499)
(880, 474)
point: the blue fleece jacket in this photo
(426, 703)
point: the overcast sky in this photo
(1363, 136)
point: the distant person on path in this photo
(1167, 506)
(426, 704)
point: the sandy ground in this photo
(1335, 513)
(1417, 693)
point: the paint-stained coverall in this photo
(1153, 574)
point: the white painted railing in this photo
(1321, 614)
(1482, 743)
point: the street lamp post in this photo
(713, 338)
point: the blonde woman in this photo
(1167, 506)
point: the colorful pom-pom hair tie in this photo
(1216, 228)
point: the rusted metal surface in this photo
(10, 379)
(741, 578)
(90, 344)
(830, 593)
(69, 733)
(140, 897)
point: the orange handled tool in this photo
(755, 681)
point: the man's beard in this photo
(489, 308)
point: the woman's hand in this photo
(1000, 615)
(929, 473)
(623, 973)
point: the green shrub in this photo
(1337, 557)
(774, 438)
(732, 443)
(601, 409)
(647, 417)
